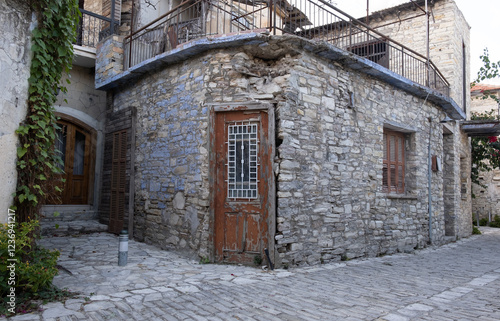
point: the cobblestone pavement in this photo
(458, 281)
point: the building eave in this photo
(262, 44)
(475, 128)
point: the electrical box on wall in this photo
(436, 164)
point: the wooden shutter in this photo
(118, 181)
(393, 170)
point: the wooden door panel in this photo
(233, 232)
(252, 233)
(241, 192)
(74, 145)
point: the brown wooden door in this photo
(243, 167)
(118, 181)
(74, 145)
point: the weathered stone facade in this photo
(449, 39)
(330, 200)
(331, 109)
(17, 22)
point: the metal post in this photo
(429, 180)
(428, 45)
(367, 13)
(112, 30)
(131, 33)
(123, 248)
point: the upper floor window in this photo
(393, 176)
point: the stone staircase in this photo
(71, 220)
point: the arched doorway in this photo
(75, 143)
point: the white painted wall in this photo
(15, 59)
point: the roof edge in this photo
(261, 40)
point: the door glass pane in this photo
(242, 161)
(60, 144)
(79, 156)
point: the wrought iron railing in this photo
(312, 19)
(92, 28)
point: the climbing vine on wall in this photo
(52, 47)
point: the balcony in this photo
(316, 20)
(91, 29)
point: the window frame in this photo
(394, 182)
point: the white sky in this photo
(483, 17)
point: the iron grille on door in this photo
(242, 161)
(118, 181)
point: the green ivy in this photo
(52, 46)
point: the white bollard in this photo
(123, 248)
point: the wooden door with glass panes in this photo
(73, 144)
(243, 169)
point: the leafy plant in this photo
(30, 268)
(495, 222)
(52, 55)
(489, 70)
(485, 150)
(483, 222)
(205, 260)
(475, 231)
(257, 260)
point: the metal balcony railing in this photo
(317, 20)
(92, 28)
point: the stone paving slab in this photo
(458, 281)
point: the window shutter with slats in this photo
(393, 163)
(118, 181)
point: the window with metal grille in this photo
(242, 161)
(394, 162)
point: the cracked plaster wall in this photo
(17, 22)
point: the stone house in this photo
(485, 202)
(235, 131)
(233, 143)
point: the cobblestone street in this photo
(458, 281)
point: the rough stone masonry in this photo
(328, 167)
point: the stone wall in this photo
(171, 181)
(15, 59)
(109, 59)
(449, 36)
(330, 200)
(457, 183)
(330, 203)
(449, 43)
(94, 6)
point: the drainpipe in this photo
(429, 180)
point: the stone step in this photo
(450, 239)
(68, 213)
(67, 228)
